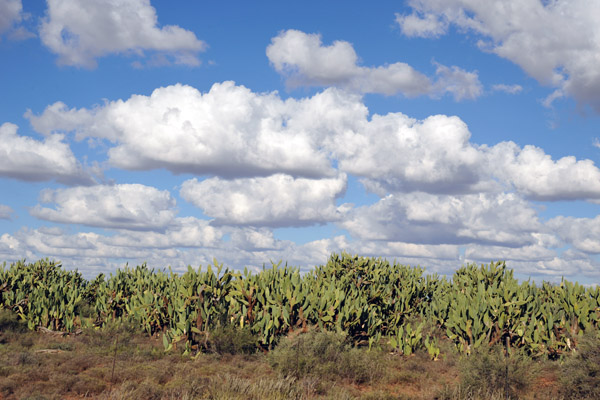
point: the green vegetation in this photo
(353, 323)
(371, 301)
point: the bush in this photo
(484, 373)
(326, 355)
(114, 333)
(580, 378)
(10, 322)
(232, 340)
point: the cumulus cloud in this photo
(432, 155)
(305, 61)
(229, 131)
(126, 206)
(277, 200)
(435, 155)
(581, 233)
(232, 132)
(565, 56)
(79, 32)
(533, 173)
(502, 219)
(27, 159)
(5, 212)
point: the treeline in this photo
(374, 302)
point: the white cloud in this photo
(582, 233)
(24, 158)
(188, 241)
(555, 42)
(254, 239)
(462, 84)
(180, 232)
(426, 25)
(569, 264)
(407, 252)
(232, 132)
(5, 212)
(277, 200)
(10, 14)
(436, 155)
(80, 31)
(432, 155)
(530, 253)
(533, 173)
(228, 131)
(126, 206)
(500, 219)
(510, 89)
(305, 61)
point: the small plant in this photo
(431, 344)
(407, 339)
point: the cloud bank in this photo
(263, 163)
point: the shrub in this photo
(326, 355)
(10, 322)
(230, 339)
(114, 333)
(489, 373)
(580, 378)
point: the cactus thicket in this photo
(374, 302)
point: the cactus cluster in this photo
(371, 300)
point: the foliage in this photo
(370, 300)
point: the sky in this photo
(434, 133)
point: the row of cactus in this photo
(43, 294)
(487, 305)
(372, 300)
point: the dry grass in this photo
(74, 367)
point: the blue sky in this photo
(434, 133)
